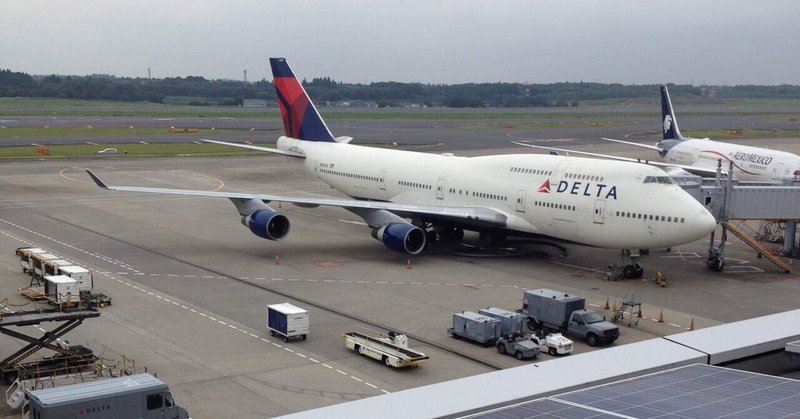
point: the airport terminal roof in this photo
(481, 393)
(696, 391)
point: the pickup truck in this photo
(565, 313)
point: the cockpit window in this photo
(664, 180)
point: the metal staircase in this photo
(739, 229)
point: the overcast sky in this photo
(624, 41)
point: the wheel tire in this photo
(286, 339)
(591, 339)
(629, 272)
(639, 272)
(552, 351)
(386, 361)
(304, 337)
(501, 349)
(272, 333)
(719, 265)
(357, 349)
(518, 355)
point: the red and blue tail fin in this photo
(300, 118)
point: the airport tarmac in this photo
(190, 283)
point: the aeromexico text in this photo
(752, 158)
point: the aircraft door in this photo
(777, 174)
(521, 200)
(440, 185)
(599, 211)
(382, 180)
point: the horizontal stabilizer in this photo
(257, 148)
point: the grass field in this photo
(126, 150)
(589, 110)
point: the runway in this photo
(191, 284)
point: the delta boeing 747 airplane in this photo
(409, 198)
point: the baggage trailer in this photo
(475, 327)
(25, 255)
(392, 351)
(287, 320)
(132, 396)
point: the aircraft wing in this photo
(651, 147)
(701, 171)
(257, 148)
(473, 215)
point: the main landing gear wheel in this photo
(716, 264)
(632, 271)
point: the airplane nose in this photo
(704, 223)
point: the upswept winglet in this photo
(300, 117)
(97, 180)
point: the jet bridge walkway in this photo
(732, 202)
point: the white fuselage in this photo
(749, 163)
(595, 202)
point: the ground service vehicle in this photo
(510, 321)
(553, 310)
(393, 351)
(553, 343)
(514, 344)
(475, 327)
(132, 396)
(287, 320)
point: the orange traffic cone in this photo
(408, 264)
(607, 307)
(661, 317)
(277, 260)
(691, 325)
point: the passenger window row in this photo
(650, 217)
(555, 205)
(414, 185)
(531, 171)
(577, 176)
(351, 175)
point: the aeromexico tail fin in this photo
(668, 121)
(300, 118)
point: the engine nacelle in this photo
(267, 224)
(401, 237)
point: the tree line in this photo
(196, 90)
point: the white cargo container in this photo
(61, 289)
(38, 262)
(51, 266)
(80, 274)
(288, 321)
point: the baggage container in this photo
(80, 274)
(287, 320)
(511, 322)
(61, 289)
(475, 327)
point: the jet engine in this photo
(401, 237)
(267, 224)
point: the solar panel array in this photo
(696, 391)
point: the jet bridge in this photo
(732, 202)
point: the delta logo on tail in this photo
(300, 118)
(597, 190)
